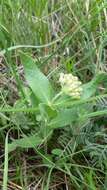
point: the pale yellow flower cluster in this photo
(70, 85)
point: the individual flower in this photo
(70, 85)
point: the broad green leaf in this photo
(37, 81)
(64, 118)
(90, 88)
(25, 142)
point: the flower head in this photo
(70, 85)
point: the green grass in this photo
(47, 139)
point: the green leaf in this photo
(90, 179)
(47, 160)
(25, 142)
(63, 118)
(37, 81)
(90, 88)
(5, 176)
(57, 151)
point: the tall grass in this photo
(61, 145)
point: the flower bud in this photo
(70, 85)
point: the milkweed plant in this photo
(71, 105)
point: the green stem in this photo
(57, 96)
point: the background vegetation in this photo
(47, 141)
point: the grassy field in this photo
(53, 94)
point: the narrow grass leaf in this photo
(5, 175)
